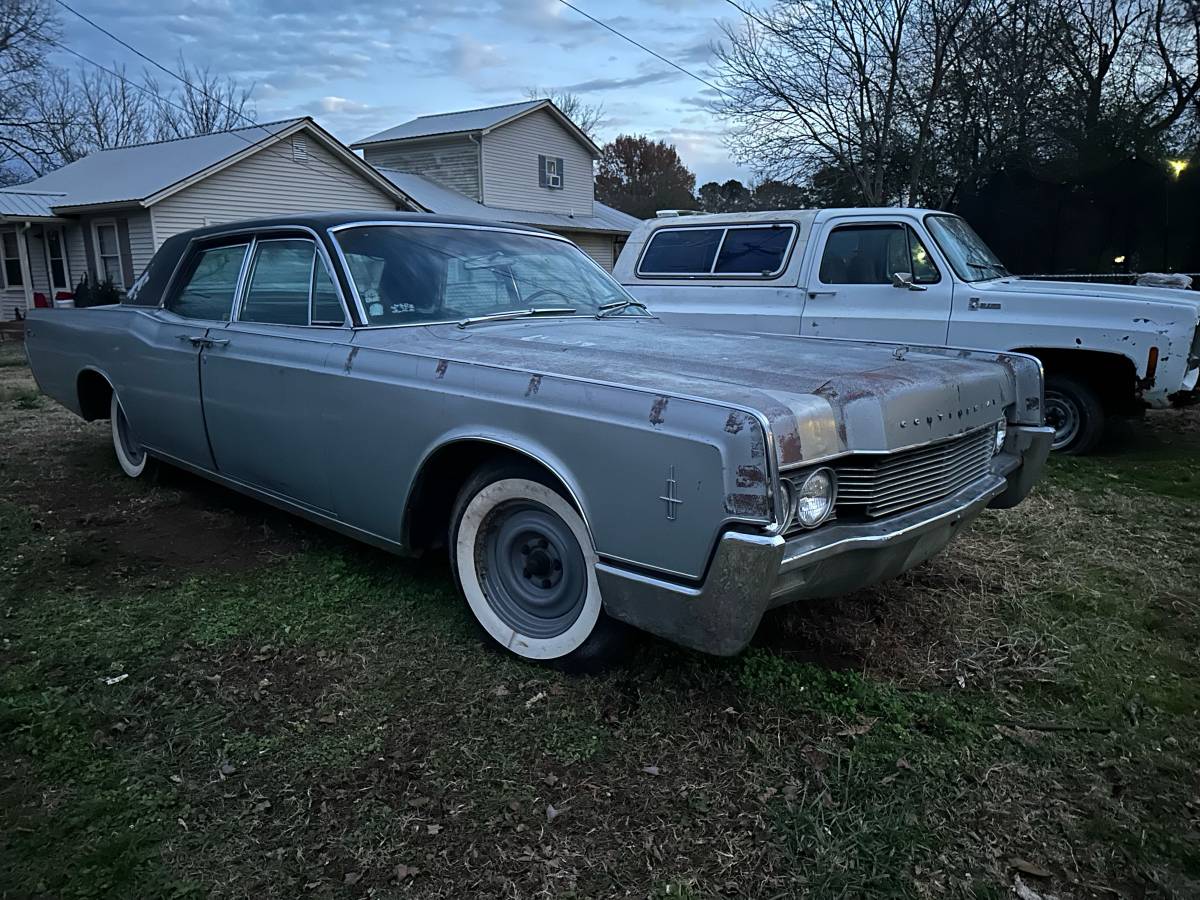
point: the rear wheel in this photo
(131, 455)
(525, 563)
(1075, 412)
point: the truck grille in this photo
(881, 485)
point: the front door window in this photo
(56, 260)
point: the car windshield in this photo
(971, 258)
(408, 274)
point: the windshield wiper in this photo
(988, 267)
(521, 314)
(618, 306)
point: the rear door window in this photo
(209, 284)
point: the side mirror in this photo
(904, 280)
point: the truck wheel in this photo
(133, 458)
(524, 561)
(1075, 413)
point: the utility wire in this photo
(640, 46)
(741, 9)
(334, 173)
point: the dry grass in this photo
(305, 716)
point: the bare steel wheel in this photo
(525, 563)
(131, 455)
(1075, 413)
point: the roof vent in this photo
(299, 149)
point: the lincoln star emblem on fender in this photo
(672, 496)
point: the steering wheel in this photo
(543, 292)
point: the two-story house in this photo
(525, 163)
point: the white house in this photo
(525, 163)
(106, 214)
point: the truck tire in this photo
(523, 560)
(1074, 411)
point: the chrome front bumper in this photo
(751, 573)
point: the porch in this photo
(35, 265)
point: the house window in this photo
(12, 259)
(56, 260)
(108, 253)
(550, 172)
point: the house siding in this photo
(268, 183)
(450, 161)
(141, 242)
(598, 246)
(510, 167)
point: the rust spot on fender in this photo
(735, 423)
(790, 450)
(350, 359)
(749, 476)
(741, 504)
(535, 385)
(657, 410)
(442, 364)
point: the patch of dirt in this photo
(109, 527)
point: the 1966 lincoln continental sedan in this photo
(418, 382)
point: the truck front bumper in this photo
(751, 573)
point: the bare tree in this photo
(588, 117)
(202, 103)
(27, 29)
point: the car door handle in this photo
(814, 294)
(216, 342)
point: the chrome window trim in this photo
(252, 235)
(240, 307)
(374, 223)
(712, 272)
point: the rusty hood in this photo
(817, 396)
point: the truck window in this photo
(754, 251)
(871, 254)
(209, 284)
(681, 251)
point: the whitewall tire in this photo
(525, 564)
(131, 455)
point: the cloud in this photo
(617, 83)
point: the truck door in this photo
(877, 281)
(163, 402)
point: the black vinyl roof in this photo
(320, 221)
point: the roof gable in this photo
(469, 121)
(146, 173)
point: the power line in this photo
(333, 173)
(741, 9)
(643, 47)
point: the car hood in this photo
(1166, 297)
(817, 396)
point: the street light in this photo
(1177, 166)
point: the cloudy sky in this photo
(359, 66)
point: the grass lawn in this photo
(200, 696)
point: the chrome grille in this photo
(880, 485)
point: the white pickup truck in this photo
(921, 277)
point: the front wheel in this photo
(1075, 413)
(131, 455)
(525, 563)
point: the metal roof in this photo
(453, 122)
(17, 203)
(131, 174)
(445, 201)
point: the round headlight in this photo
(1001, 436)
(815, 497)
